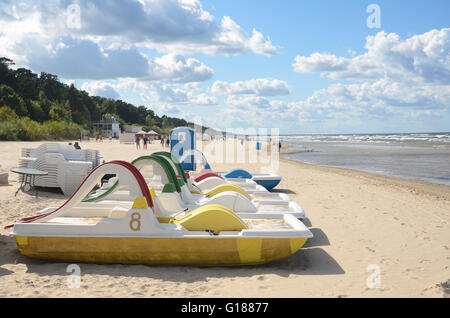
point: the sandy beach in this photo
(360, 222)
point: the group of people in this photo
(76, 145)
(100, 138)
(165, 142)
(145, 140)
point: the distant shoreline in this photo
(289, 150)
(439, 190)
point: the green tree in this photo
(108, 106)
(149, 121)
(45, 103)
(165, 122)
(5, 73)
(36, 111)
(60, 113)
(7, 114)
(53, 89)
(10, 98)
(142, 115)
(53, 108)
(26, 83)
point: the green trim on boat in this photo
(175, 183)
(104, 194)
(171, 175)
(178, 165)
(169, 188)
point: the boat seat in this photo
(226, 187)
(118, 213)
(211, 218)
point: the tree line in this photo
(40, 107)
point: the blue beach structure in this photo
(182, 140)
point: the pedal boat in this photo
(209, 180)
(209, 236)
(267, 180)
(173, 196)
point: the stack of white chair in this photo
(67, 167)
(69, 152)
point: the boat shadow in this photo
(319, 239)
(308, 261)
(9, 249)
(285, 191)
(307, 222)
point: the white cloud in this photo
(168, 95)
(112, 36)
(181, 26)
(202, 100)
(423, 58)
(404, 78)
(320, 63)
(338, 104)
(259, 87)
(176, 68)
(83, 59)
(233, 40)
(101, 89)
(248, 102)
(194, 86)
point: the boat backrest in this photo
(175, 165)
(162, 163)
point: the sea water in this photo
(415, 156)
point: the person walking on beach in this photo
(145, 142)
(138, 143)
(167, 142)
(279, 146)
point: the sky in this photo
(305, 67)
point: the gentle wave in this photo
(417, 156)
(439, 138)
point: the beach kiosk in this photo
(182, 140)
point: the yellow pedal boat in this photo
(209, 236)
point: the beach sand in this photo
(361, 223)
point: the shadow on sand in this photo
(311, 261)
(307, 222)
(285, 191)
(8, 248)
(319, 239)
(307, 261)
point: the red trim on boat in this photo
(139, 178)
(205, 175)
